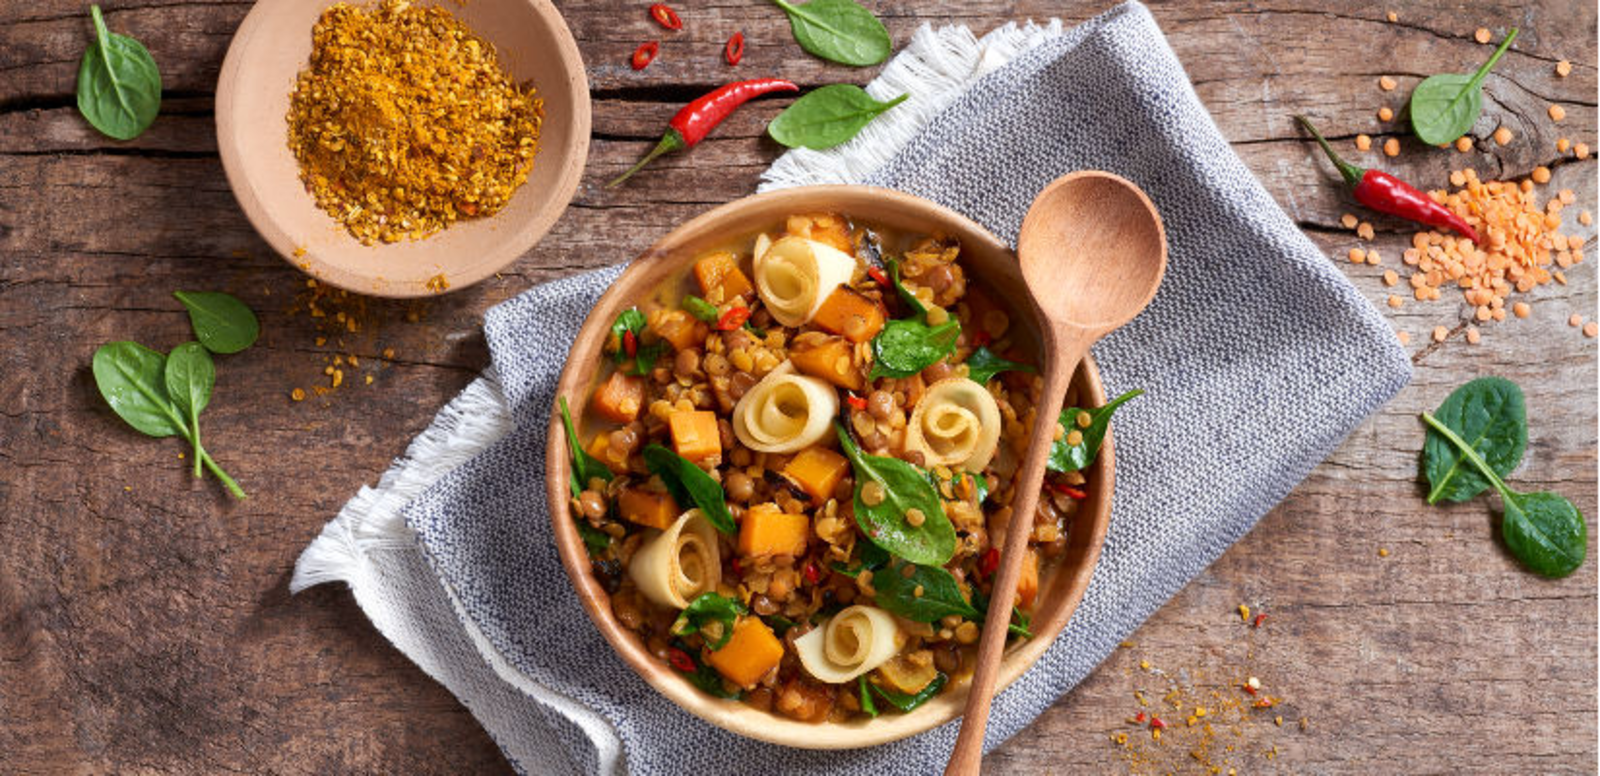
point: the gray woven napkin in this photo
(1257, 358)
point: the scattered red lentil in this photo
(1463, 144)
(1563, 68)
(1581, 150)
(1385, 113)
(1502, 135)
(1404, 337)
(1364, 231)
(1392, 17)
(1473, 337)
(1563, 144)
(1482, 35)
(1591, 329)
(1357, 256)
(1386, 83)
(1363, 142)
(1557, 113)
(1382, 553)
(1349, 221)
(1440, 333)
(1391, 147)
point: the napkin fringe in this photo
(934, 69)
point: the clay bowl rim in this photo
(671, 254)
(515, 232)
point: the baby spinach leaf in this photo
(827, 117)
(221, 322)
(631, 321)
(119, 85)
(838, 31)
(709, 607)
(689, 484)
(585, 467)
(132, 378)
(867, 706)
(905, 487)
(705, 677)
(903, 702)
(983, 365)
(941, 594)
(1071, 458)
(1019, 619)
(911, 299)
(1489, 414)
(871, 557)
(1444, 107)
(189, 376)
(700, 308)
(779, 624)
(595, 540)
(905, 347)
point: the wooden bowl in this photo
(984, 255)
(268, 52)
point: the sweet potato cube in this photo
(829, 360)
(694, 434)
(816, 470)
(768, 530)
(680, 329)
(1028, 583)
(600, 448)
(750, 653)
(619, 397)
(648, 508)
(849, 312)
(721, 270)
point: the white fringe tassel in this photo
(935, 68)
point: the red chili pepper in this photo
(1157, 723)
(1387, 194)
(734, 51)
(877, 275)
(990, 561)
(691, 124)
(680, 660)
(855, 401)
(1068, 490)
(1259, 618)
(812, 574)
(733, 318)
(645, 54)
(665, 16)
(630, 344)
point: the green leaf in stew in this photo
(1070, 458)
(903, 702)
(585, 467)
(689, 484)
(983, 365)
(707, 608)
(896, 593)
(903, 488)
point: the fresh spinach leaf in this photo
(689, 484)
(627, 320)
(221, 322)
(827, 117)
(1070, 458)
(631, 321)
(838, 31)
(905, 347)
(905, 487)
(119, 85)
(867, 706)
(779, 624)
(941, 595)
(1489, 413)
(871, 557)
(585, 467)
(1543, 530)
(911, 299)
(1444, 107)
(704, 676)
(983, 365)
(189, 376)
(595, 540)
(705, 608)
(1018, 626)
(700, 308)
(904, 702)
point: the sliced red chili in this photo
(812, 574)
(1259, 618)
(990, 561)
(855, 401)
(680, 660)
(630, 344)
(1068, 491)
(733, 318)
(665, 16)
(645, 54)
(1138, 717)
(734, 51)
(877, 275)
(1157, 723)
(738, 570)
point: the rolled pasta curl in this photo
(851, 643)
(680, 563)
(785, 412)
(795, 275)
(955, 424)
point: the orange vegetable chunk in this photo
(816, 470)
(750, 653)
(694, 434)
(849, 312)
(680, 329)
(720, 269)
(648, 508)
(600, 448)
(619, 397)
(829, 360)
(1028, 583)
(768, 530)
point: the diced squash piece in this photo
(849, 312)
(816, 470)
(619, 397)
(825, 228)
(680, 329)
(768, 530)
(600, 448)
(721, 270)
(1028, 583)
(829, 360)
(648, 508)
(694, 434)
(750, 653)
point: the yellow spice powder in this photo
(404, 122)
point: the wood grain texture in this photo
(144, 623)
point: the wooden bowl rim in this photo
(735, 716)
(512, 243)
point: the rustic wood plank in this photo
(144, 624)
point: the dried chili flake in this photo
(855, 402)
(1258, 620)
(1139, 717)
(665, 16)
(1157, 723)
(812, 574)
(734, 50)
(733, 318)
(644, 55)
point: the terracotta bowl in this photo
(983, 255)
(268, 52)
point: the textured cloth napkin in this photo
(1257, 358)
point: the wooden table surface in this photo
(145, 624)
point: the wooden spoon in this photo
(1093, 252)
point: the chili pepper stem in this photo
(672, 141)
(1352, 174)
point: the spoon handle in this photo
(968, 752)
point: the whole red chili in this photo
(1387, 194)
(812, 574)
(856, 402)
(878, 276)
(733, 318)
(691, 124)
(665, 16)
(734, 51)
(630, 344)
(645, 54)
(680, 660)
